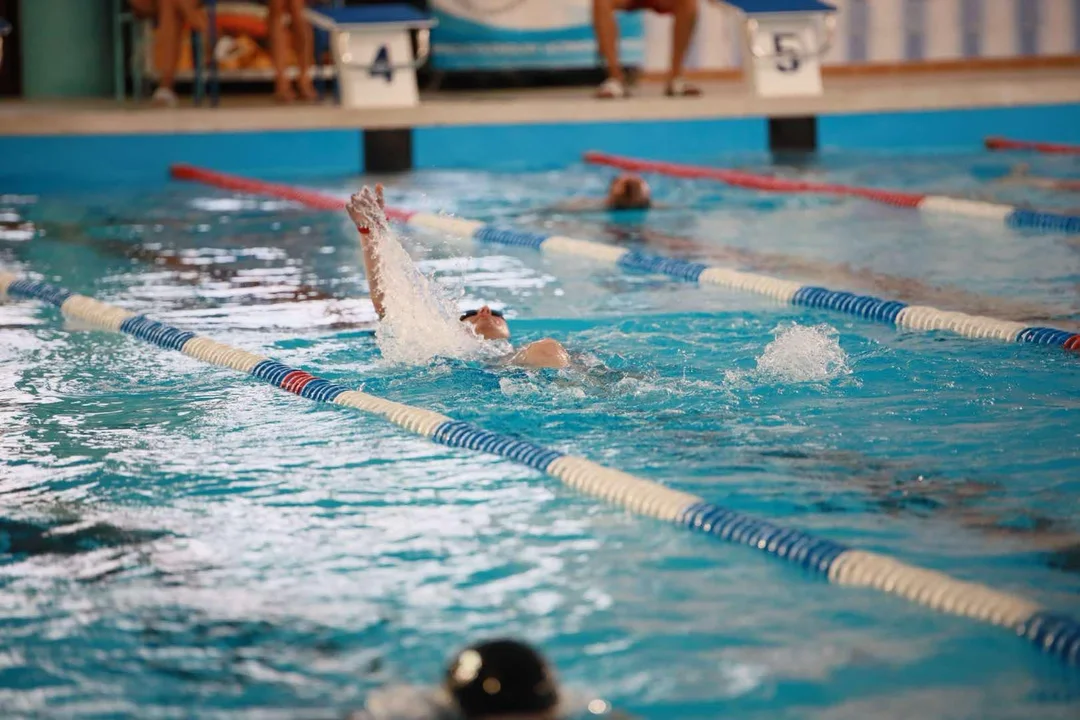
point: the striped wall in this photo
(895, 31)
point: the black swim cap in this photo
(500, 677)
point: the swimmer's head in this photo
(629, 192)
(503, 679)
(487, 323)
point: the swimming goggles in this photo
(473, 313)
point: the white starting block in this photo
(373, 52)
(783, 44)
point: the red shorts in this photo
(664, 7)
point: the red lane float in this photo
(754, 181)
(310, 198)
(1000, 143)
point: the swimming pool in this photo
(181, 538)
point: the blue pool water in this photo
(176, 539)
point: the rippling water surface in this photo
(177, 539)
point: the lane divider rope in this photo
(1053, 633)
(1000, 143)
(867, 307)
(1012, 216)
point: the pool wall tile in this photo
(961, 129)
(42, 163)
(541, 146)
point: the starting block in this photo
(371, 47)
(783, 44)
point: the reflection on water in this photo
(177, 539)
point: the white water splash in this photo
(803, 354)
(421, 321)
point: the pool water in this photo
(177, 539)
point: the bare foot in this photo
(307, 89)
(283, 91)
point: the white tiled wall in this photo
(998, 31)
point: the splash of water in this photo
(803, 354)
(421, 320)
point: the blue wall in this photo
(41, 163)
(553, 145)
(954, 129)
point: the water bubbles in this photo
(798, 354)
(803, 354)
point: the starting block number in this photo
(783, 54)
(788, 49)
(381, 65)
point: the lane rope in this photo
(1053, 633)
(1000, 143)
(868, 307)
(1011, 216)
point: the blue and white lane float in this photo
(1055, 634)
(1009, 215)
(867, 307)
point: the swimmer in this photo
(1021, 175)
(627, 191)
(367, 210)
(494, 680)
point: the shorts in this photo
(664, 7)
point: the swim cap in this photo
(500, 677)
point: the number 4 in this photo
(380, 66)
(787, 51)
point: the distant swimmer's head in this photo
(502, 680)
(487, 323)
(629, 192)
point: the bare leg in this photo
(283, 91)
(304, 42)
(192, 15)
(683, 31)
(167, 42)
(607, 34)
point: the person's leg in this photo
(167, 50)
(304, 44)
(191, 13)
(607, 34)
(283, 91)
(685, 13)
(144, 9)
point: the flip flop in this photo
(612, 89)
(680, 88)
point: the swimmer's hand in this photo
(367, 209)
(546, 353)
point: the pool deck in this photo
(723, 99)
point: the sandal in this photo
(612, 89)
(164, 97)
(678, 87)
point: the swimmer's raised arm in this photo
(367, 209)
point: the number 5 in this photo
(787, 51)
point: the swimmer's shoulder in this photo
(544, 353)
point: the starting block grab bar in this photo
(781, 49)
(784, 41)
(373, 50)
(343, 55)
